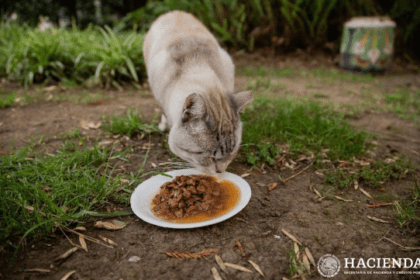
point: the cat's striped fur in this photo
(192, 78)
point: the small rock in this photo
(134, 259)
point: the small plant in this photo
(408, 210)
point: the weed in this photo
(296, 266)
(408, 210)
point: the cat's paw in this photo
(163, 125)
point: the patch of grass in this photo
(7, 100)
(296, 266)
(405, 103)
(38, 191)
(128, 125)
(74, 132)
(335, 74)
(320, 95)
(374, 175)
(303, 126)
(408, 210)
(259, 84)
(269, 72)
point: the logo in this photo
(328, 265)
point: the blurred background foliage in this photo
(100, 40)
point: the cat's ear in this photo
(194, 108)
(242, 99)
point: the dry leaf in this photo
(317, 192)
(111, 225)
(296, 249)
(306, 262)
(221, 264)
(216, 275)
(96, 103)
(50, 88)
(291, 237)
(240, 248)
(377, 220)
(240, 219)
(105, 143)
(180, 255)
(310, 257)
(366, 193)
(320, 174)
(67, 276)
(379, 204)
(83, 242)
(107, 240)
(272, 186)
(257, 267)
(89, 124)
(356, 184)
(40, 270)
(343, 163)
(67, 254)
(340, 198)
(245, 175)
(80, 228)
(238, 267)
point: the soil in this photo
(324, 226)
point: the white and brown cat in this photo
(192, 78)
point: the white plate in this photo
(142, 197)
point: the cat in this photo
(192, 78)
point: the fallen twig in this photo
(382, 236)
(87, 237)
(181, 255)
(293, 176)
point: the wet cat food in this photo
(188, 196)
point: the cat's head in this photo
(209, 132)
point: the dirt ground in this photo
(324, 226)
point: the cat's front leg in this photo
(163, 125)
